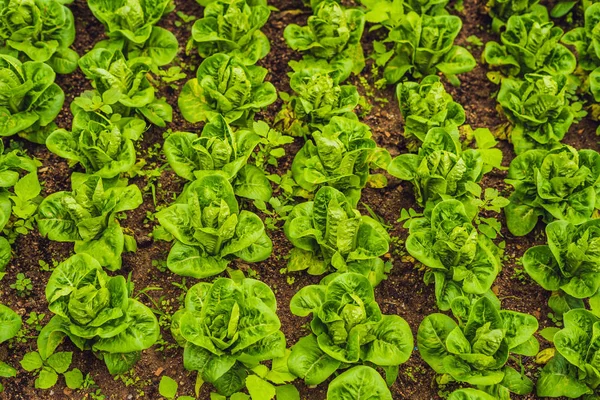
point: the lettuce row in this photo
(554, 182)
(535, 75)
(96, 311)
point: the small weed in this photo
(45, 267)
(270, 147)
(22, 285)
(555, 319)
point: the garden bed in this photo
(402, 293)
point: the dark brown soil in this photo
(403, 293)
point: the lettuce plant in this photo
(219, 148)
(441, 170)
(427, 7)
(225, 86)
(424, 45)
(228, 328)
(130, 25)
(570, 262)
(132, 19)
(10, 324)
(121, 86)
(19, 193)
(360, 382)
(530, 45)
(103, 146)
(347, 328)
(574, 371)
(462, 262)
(340, 155)
(160, 48)
(587, 43)
(476, 350)
(233, 27)
(502, 10)
(29, 98)
(87, 216)
(427, 105)
(585, 40)
(96, 312)
(329, 232)
(333, 34)
(538, 109)
(317, 100)
(39, 30)
(210, 230)
(560, 184)
(388, 13)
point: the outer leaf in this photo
(470, 394)
(308, 361)
(393, 342)
(10, 323)
(359, 383)
(559, 378)
(431, 339)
